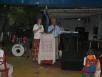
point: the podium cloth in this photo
(46, 48)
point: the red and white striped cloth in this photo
(47, 49)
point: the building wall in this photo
(88, 22)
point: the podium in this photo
(46, 49)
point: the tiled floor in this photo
(26, 68)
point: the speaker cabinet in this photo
(70, 55)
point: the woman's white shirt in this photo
(38, 33)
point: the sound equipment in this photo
(70, 58)
(70, 43)
(72, 64)
(83, 43)
(18, 50)
(83, 47)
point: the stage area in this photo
(26, 68)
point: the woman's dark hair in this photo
(38, 19)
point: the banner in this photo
(47, 48)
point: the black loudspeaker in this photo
(70, 55)
(72, 64)
(83, 43)
(83, 47)
(70, 44)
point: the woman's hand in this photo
(38, 29)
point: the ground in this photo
(26, 68)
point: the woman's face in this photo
(39, 21)
(53, 21)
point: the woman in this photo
(56, 31)
(37, 29)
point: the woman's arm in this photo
(36, 28)
(42, 29)
(84, 63)
(50, 29)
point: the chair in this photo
(5, 70)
